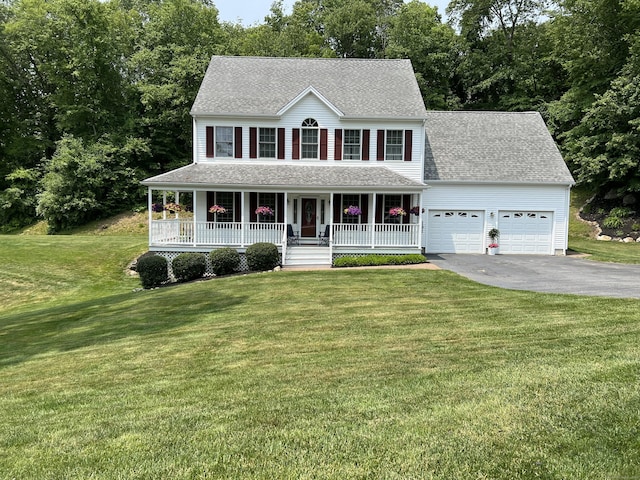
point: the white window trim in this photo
(386, 145)
(275, 152)
(344, 144)
(215, 141)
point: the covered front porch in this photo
(345, 210)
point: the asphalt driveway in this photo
(541, 273)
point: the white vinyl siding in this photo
(311, 107)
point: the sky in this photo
(250, 12)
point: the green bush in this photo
(153, 270)
(612, 222)
(620, 212)
(189, 266)
(374, 260)
(224, 261)
(262, 256)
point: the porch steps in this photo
(306, 255)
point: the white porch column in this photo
(373, 220)
(195, 219)
(150, 207)
(177, 215)
(164, 202)
(243, 225)
(286, 221)
(420, 222)
(331, 207)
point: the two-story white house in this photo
(327, 157)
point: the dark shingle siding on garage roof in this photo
(226, 175)
(492, 147)
(263, 86)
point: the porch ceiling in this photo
(221, 175)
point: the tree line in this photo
(95, 95)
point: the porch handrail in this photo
(188, 232)
(376, 235)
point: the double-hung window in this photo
(393, 147)
(224, 142)
(392, 201)
(309, 143)
(226, 200)
(351, 145)
(350, 201)
(267, 143)
(267, 200)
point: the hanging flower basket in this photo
(157, 208)
(353, 210)
(397, 211)
(415, 210)
(263, 210)
(217, 209)
(173, 207)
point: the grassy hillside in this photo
(327, 374)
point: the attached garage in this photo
(526, 232)
(494, 169)
(455, 231)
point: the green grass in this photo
(326, 374)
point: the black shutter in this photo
(337, 154)
(366, 135)
(380, 152)
(408, 145)
(238, 141)
(253, 204)
(210, 145)
(253, 142)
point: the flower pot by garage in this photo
(492, 249)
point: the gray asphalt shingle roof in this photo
(492, 146)
(273, 175)
(263, 86)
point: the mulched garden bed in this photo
(616, 219)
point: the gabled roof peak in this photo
(263, 86)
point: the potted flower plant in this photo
(173, 207)
(415, 210)
(397, 212)
(493, 234)
(353, 210)
(263, 210)
(217, 209)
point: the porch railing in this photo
(378, 235)
(188, 232)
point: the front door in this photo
(309, 227)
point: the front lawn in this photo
(326, 374)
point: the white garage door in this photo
(525, 232)
(455, 231)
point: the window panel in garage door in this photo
(455, 231)
(526, 232)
